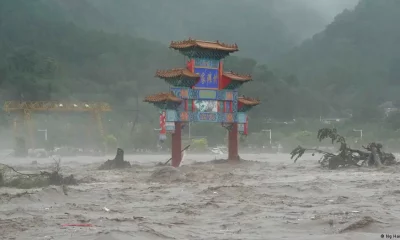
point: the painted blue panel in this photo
(241, 117)
(206, 63)
(211, 117)
(193, 94)
(181, 92)
(209, 78)
(235, 94)
(206, 94)
(176, 92)
(221, 95)
(171, 116)
(235, 101)
(234, 106)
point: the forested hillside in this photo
(48, 53)
(78, 63)
(263, 29)
(354, 62)
(46, 57)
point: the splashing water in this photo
(183, 157)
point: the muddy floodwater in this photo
(269, 197)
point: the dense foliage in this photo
(355, 61)
(263, 29)
(76, 50)
(48, 58)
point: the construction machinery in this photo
(29, 107)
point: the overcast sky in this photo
(330, 8)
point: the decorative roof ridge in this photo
(161, 97)
(194, 42)
(171, 69)
(175, 72)
(238, 77)
(238, 74)
(249, 100)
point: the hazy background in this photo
(246, 22)
(313, 62)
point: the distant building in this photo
(388, 111)
(269, 120)
(388, 108)
(332, 120)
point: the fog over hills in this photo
(354, 62)
(274, 26)
(53, 49)
(304, 18)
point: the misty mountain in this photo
(304, 18)
(340, 65)
(46, 57)
(355, 61)
(40, 47)
(263, 29)
(74, 50)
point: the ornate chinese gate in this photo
(202, 92)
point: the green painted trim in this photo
(166, 105)
(221, 106)
(233, 85)
(190, 104)
(196, 52)
(245, 108)
(181, 82)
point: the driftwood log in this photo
(373, 156)
(187, 147)
(117, 163)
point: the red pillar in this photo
(233, 153)
(176, 145)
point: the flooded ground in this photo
(267, 198)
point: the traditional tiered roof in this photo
(232, 80)
(204, 49)
(237, 77)
(248, 101)
(176, 73)
(184, 79)
(178, 77)
(191, 43)
(162, 97)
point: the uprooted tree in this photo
(9, 177)
(372, 156)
